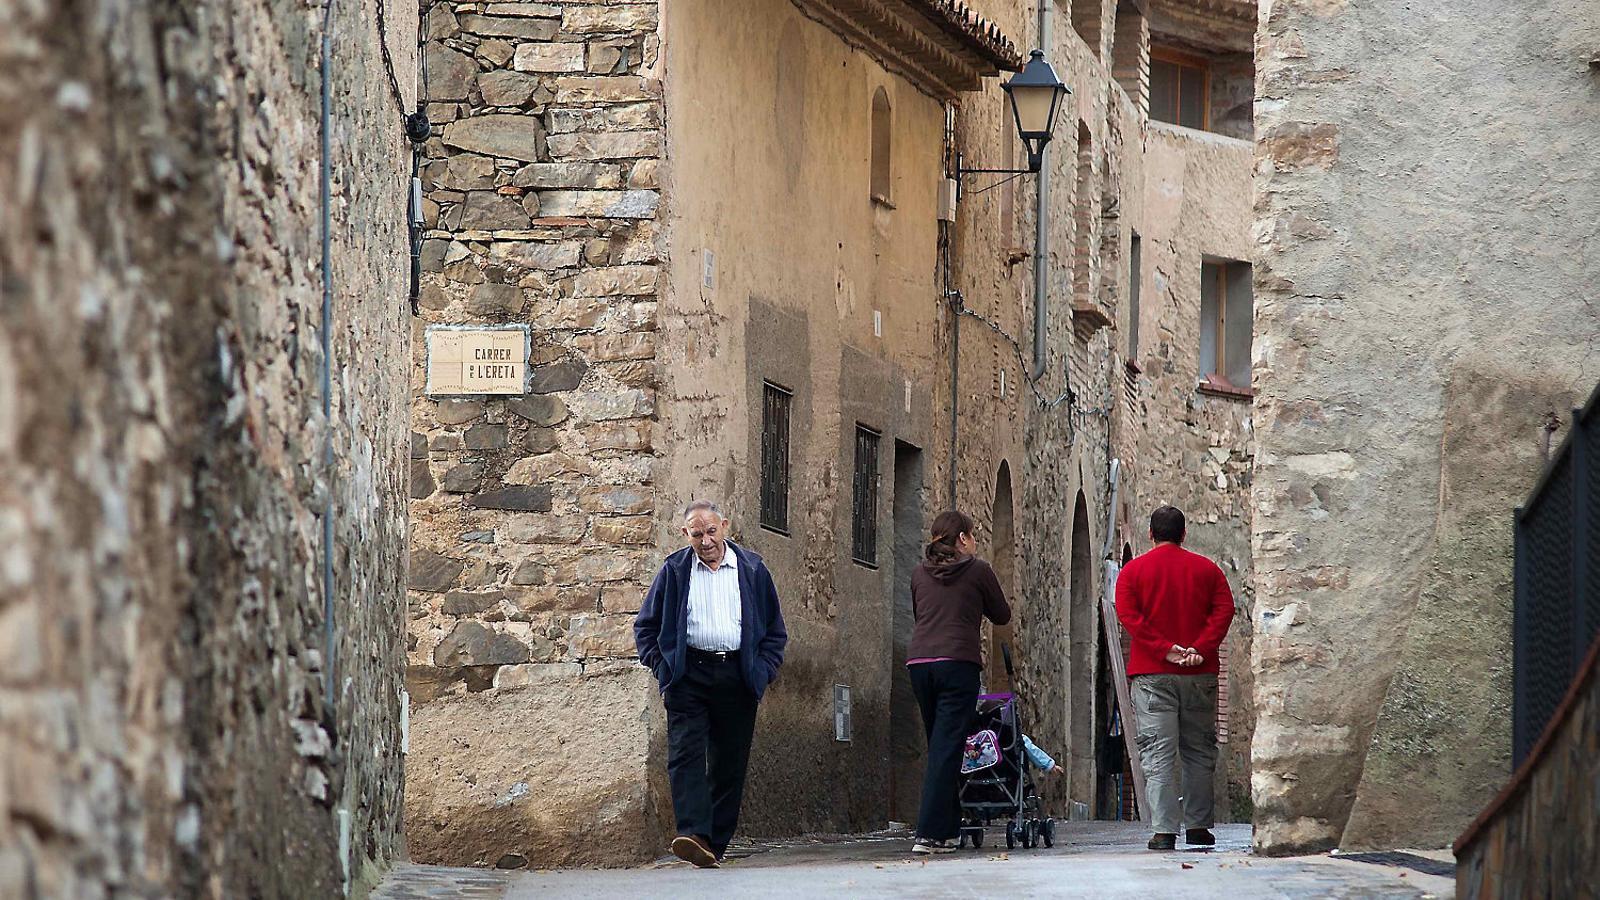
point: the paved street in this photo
(1090, 859)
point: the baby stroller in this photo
(1000, 784)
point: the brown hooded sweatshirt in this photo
(950, 601)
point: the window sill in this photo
(864, 564)
(1217, 386)
(1133, 368)
(880, 200)
(774, 529)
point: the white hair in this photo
(698, 505)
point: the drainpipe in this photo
(952, 297)
(1041, 237)
(955, 382)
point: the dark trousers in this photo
(711, 717)
(948, 694)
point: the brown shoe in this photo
(1160, 841)
(692, 849)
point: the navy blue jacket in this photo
(661, 629)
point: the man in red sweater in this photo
(1176, 606)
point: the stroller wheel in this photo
(1047, 830)
(1029, 838)
(961, 842)
(1012, 837)
(977, 838)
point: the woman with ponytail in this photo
(952, 592)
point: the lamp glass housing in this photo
(1035, 110)
(1035, 94)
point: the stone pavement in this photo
(1090, 859)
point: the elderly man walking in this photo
(711, 631)
(1176, 606)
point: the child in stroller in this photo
(997, 780)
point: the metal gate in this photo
(1556, 579)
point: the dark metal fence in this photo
(1557, 579)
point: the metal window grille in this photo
(1556, 579)
(775, 405)
(864, 520)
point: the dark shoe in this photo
(1160, 841)
(1199, 837)
(693, 850)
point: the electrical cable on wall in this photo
(1067, 395)
(958, 304)
(957, 301)
(325, 179)
(1077, 415)
(417, 129)
(388, 61)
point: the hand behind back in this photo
(1184, 656)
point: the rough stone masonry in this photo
(542, 193)
(536, 519)
(164, 730)
(1425, 282)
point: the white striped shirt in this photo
(714, 612)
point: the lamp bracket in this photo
(1035, 163)
(965, 171)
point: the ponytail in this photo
(947, 526)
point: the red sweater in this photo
(1171, 596)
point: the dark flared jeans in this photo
(947, 692)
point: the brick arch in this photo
(1082, 627)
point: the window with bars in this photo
(775, 404)
(864, 519)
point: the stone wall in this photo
(1183, 445)
(164, 729)
(784, 268)
(833, 294)
(535, 516)
(1023, 452)
(1186, 194)
(1423, 308)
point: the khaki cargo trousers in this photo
(1176, 727)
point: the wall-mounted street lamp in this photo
(1035, 94)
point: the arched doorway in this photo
(1114, 792)
(1002, 552)
(1082, 624)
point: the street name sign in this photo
(467, 360)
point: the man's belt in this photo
(713, 655)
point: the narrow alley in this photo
(546, 448)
